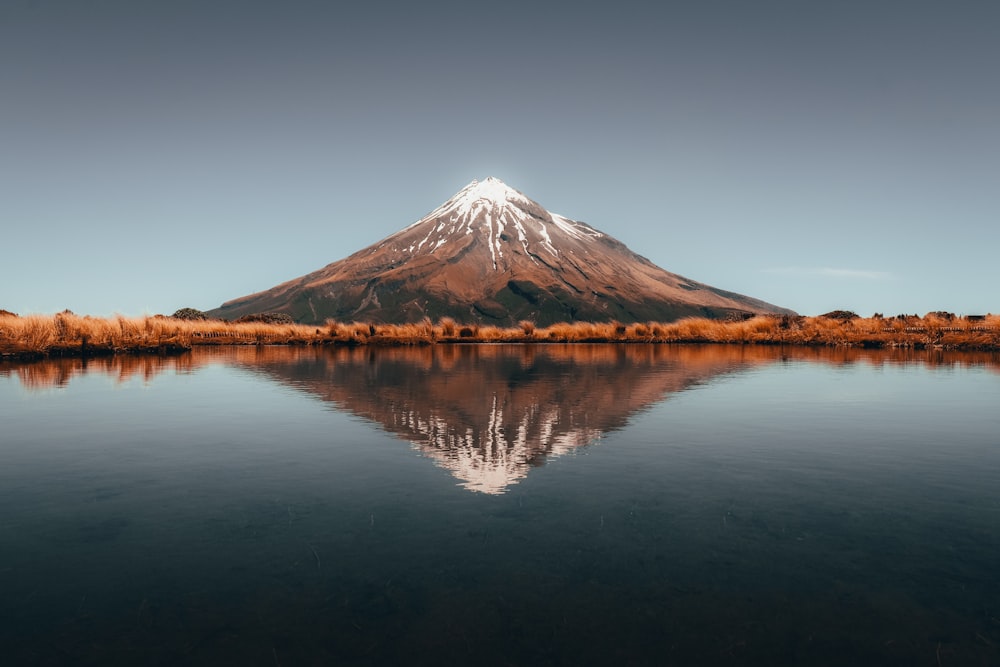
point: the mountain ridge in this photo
(490, 254)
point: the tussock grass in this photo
(447, 326)
(67, 334)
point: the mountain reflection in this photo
(486, 413)
(489, 413)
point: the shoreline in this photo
(66, 335)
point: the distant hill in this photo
(491, 255)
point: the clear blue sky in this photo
(818, 155)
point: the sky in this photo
(817, 155)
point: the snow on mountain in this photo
(491, 254)
(492, 208)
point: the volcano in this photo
(492, 255)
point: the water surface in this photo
(551, 504)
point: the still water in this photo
(507, 505)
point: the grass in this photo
(67, 334)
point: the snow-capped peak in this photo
(491, 197)
(501, 215)
(491, 189)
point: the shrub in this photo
(189, 314)
(842, 315)
(267, 318)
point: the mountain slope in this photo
(489, 254)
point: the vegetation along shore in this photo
(69, 335)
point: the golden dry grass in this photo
(67, 334)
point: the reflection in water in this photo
(56, 373)
(488, 413)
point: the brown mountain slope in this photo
(489, 254)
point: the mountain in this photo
(491, 255)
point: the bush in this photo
(189, 314)
(267, 318)
(842, 315)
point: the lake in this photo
(502, 505)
